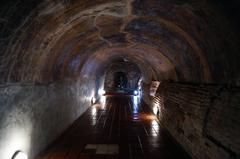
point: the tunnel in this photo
(123, 79)
(120, 80)
(122, 76)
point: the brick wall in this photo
(204, 119)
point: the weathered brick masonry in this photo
(202, 118)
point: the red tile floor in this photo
(122, 128)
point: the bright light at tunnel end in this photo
(19, 155)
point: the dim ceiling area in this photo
(185, 41)
(57, 54)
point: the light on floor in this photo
(155, 109)
(94, 110)
(155, 128)
(20, 155)
(135, 100)
(135, 104)
(103, 100)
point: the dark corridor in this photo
(59, 57)
(120, 81)
(122, 128)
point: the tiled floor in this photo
(122, 128)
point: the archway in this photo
(120, 81)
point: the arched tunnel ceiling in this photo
(137, 55)
(185, 41)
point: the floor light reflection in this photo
(94, 115)
(136, 101)
(103, 100)
(155, 127)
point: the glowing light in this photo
(94, 115)
(135, 117)
(94, 110)
(149, 117)
(101, 91)
(20, 155)
(103, 100)
(16, 141)
(135, 92)
(155, 109)
(136, 101)
(103, 106)
(16, 135)
(93, 100)
(155, 127)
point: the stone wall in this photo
(33, 115)
(204, 119)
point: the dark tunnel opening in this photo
(120, 81)
(122, 76)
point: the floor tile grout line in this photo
(130, 151)
(140, 143)
(108, 112)
(110, 132)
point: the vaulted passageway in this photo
(122, 75)
(58, 57)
